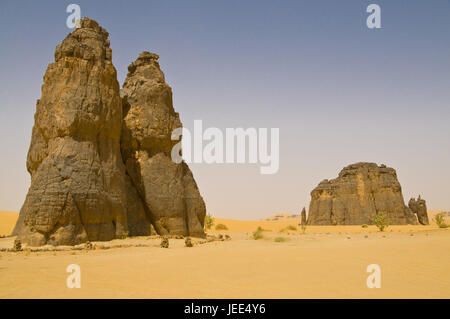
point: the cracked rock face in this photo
(419, 207)
(169, 190)
(360, 191)
(79, 189)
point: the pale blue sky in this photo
(339, 92)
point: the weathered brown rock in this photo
(164, 242)
(360, 191)
(169, 190)
(79, 190)
(17, 245)
(303, 216)
(188, 242)
(419, 207)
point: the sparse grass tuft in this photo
(124, 235)
(209, 221)
(303, 226)
(440, 220)
(364, 226)
(280, 239)
(257, 234)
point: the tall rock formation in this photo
(79, 190)
(360, 191)
(168, 189)
(303, 216)
(419, 207)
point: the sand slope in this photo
(325, 262)
(7, 222)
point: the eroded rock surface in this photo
(168, 189)
(360, 191)
(79, 190)
(419, 207)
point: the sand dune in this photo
(325, 262)
(7, 222)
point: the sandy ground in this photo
(325, 262)
(7, 222)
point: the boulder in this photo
(170, 193)
(359, 192)
(164, 242)
(17, 245)
(79, 189)
(188, 242)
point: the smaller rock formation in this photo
(359, 192)
(303, 214)
(419, 207)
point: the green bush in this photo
(303, 226)
(279, 240)
(257, 234)
(440, 220)
(209, 221)
(364, 226)
(381, 221)
(123, 235)
(221, 227)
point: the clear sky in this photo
(339, 92)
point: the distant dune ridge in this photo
(81, 189)
(360, 192)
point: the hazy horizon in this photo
(339, 92)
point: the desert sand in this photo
(324, 262)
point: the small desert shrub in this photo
(288, 228)
(303, 226)
(364, 226)
(123, 235)
(221, 227)
(257, 234)
(440, 221)
(279, 240)
(381, 221)
(209, 221)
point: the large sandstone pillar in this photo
(79, 190)
(169, 190)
